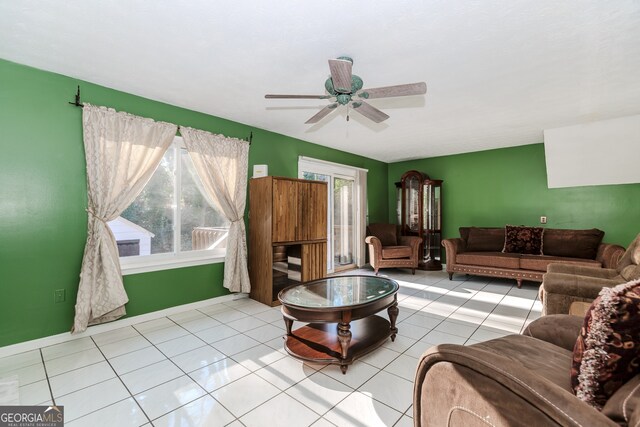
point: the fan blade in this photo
(369, 111)
(390, 91)
(341, 75)
(296, 96)
(321, 114)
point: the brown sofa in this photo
(515, 380)
(565, 284)
(478, 251)
(387, 249)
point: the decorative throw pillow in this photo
(607, 352)
(523, 240)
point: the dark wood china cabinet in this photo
(420, 200)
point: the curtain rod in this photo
(76, 102)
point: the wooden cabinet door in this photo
(312, 211)
(314, 261)
(285, 210)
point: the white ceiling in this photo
(498, 72)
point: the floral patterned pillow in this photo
(523, 240)
(607, 352)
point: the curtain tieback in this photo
(95, 215)
(237, 220)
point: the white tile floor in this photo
(224, 365)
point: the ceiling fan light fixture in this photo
(328, 85)
(343, 98)
(356, 83)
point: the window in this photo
(171, 219)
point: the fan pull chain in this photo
(346, 124)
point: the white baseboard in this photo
(105, 327)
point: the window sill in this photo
(137, 264)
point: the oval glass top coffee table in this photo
(340, 312)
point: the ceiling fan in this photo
(345, 88)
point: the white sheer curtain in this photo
(122, 152)
(222, 165)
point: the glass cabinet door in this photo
(412, 218)
(432, 205)
(413, 205)
(432, 224)
(398, 203)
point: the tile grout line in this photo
(77, 369)
(498, 303)
(328, 410)
(85, 366)
(524, 325)
(502, 299)
(120, 379)
(46, 374)
(178, 367)
(280, 391)
(122, 382)
(91, 385)
(185, 374)
(118, 375)
(445, 318)
(494, 308)
(169, 359)
(321, 416)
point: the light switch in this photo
(543, 220)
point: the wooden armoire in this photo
(287, 234)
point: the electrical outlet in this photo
(543, 220)
(58, 296)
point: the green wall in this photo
(509, 186)
(43, 197)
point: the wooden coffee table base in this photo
(320, 342)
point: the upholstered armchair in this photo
(389, 250)
(565, 284)
(517, 380)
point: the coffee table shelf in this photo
(341, 316)
(318, 342)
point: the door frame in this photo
(359, 175)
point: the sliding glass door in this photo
(343, 227)
(344, 208)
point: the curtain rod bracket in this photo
(249, 138)
(77, 102)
